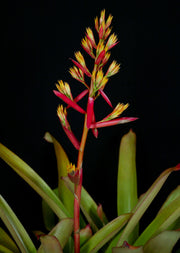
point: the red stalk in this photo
(90, 109)
(77, 190)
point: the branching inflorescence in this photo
(100, 53)
(94, 82)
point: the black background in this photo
(38, 40)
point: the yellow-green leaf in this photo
(63, 230)
(62, 164)
(3, 249)
(164, 242)
(127, 179)
(144, 203)
(100, 238)
(162, 221)
(49, 244)
(49, 216)
(6, 241)
(34, 180)
(15, 228)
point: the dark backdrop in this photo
(38, 40)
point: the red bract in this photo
(79, 97)
(100, 57)
(72, 137)
(62, 114)
(90, 111)
(68, 101)
(84, 70)
(105, 97)
(94, 130)
(177, 166)
(113, 122)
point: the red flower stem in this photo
(77, 189)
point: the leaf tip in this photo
(48, 137)
(177, 167)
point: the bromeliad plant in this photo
(94, 87)
(83, 226)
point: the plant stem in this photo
(77, 189)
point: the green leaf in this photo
(173, 195)
(6, 241)
(65, 194)
(164, 242)
(5, 250)
(88, 207)
(62, 232)
(49, 244)
(127, 179)
(49, 217)
(15, 228)
(85, 234)
(69, 247)
(144, 203)
(34, 180)
(162, 221)
(100, 238)
(113, 242)
(62, 164)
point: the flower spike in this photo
(90, 36)
(62, 114)
(76, 74)
(80, 58)
(64, 89)
(96, 23)
(116, 112)
(113, 69)
(84, 70)
(109, 21)
(112, 41)
(87, 46)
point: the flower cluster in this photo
(97, 79)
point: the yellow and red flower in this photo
(100, 53)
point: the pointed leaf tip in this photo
(177, 166)
(48, 137)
